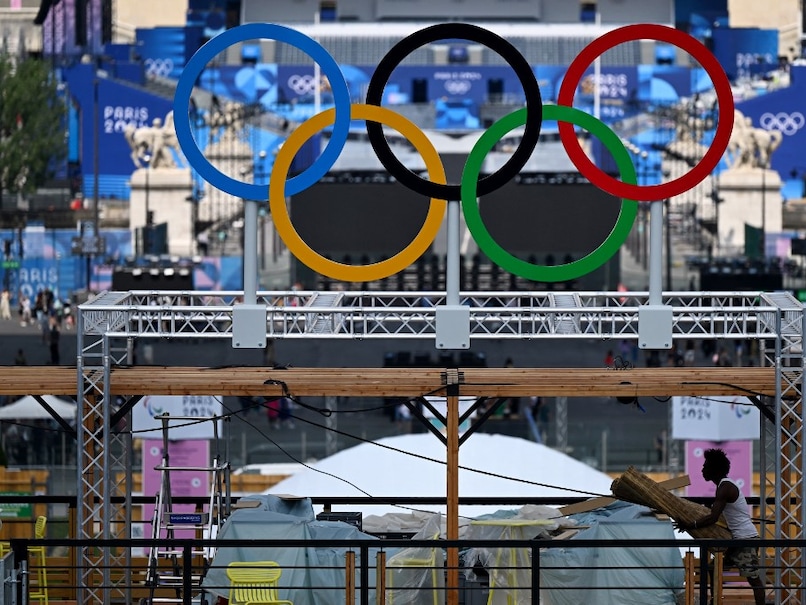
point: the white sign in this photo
(147, 426)
(715, 418)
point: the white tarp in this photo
(413, 464)
(29, 408)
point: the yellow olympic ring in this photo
(306, 254)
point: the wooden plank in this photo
(568, 533)
(398, 382)
(594, 503)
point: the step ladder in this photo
(167, 560)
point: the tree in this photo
(32, 125)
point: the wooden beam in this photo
(399, 382)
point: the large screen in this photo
(373, 219)
(541, 218)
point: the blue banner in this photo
(740, 49)
(783, 110)
(47, 261)
(120, 110)
(164, 51)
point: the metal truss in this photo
(360, 315)
(109, 324)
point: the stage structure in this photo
(109, 325)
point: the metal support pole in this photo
(95, 170)
(655, 252)
(452, 318)
(250, 252)
(452, 258)
(668, 225)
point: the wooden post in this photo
(349, 575)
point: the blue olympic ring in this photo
(270, 31)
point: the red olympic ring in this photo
(724, 95)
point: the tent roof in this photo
(394, 466)
(29, 408)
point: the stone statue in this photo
(751, 147)
(688, 134)
(766, 142)
(156, 140)
(230, 119)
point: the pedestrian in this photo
(731, 503)
(690, 355)
(625, 351)
(540, 413)
(203, 243)
(660, 447)
(25, 310)
(722, 359)
(285, 416)
(5, 304)
(54, 334)
(512, 408)
(272, 411)
(19, 359)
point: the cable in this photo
(273, 442)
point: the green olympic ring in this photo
(513, 264)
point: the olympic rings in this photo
(251, 31)
(513, 264)
(160, 68)
(534, 105)
(724, 96)
(311, 258)
(471, 185)
(787, 123)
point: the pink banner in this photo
(188, 453)
(740, 454)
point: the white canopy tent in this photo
(28, 408)
(397, 466)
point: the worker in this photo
(730, 502)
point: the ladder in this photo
(166, 561)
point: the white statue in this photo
(231, 119)
(156, 140)
(750, 147)
(766, 142)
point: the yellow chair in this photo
(5, 547)
(37, 557)
(254, 583)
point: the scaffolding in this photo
(109, 324)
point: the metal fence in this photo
(392, 571)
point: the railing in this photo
(404, 571)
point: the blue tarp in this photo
(310, 576)
(614, 576)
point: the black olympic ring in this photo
(464, 31)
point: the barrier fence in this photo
(388, 571)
